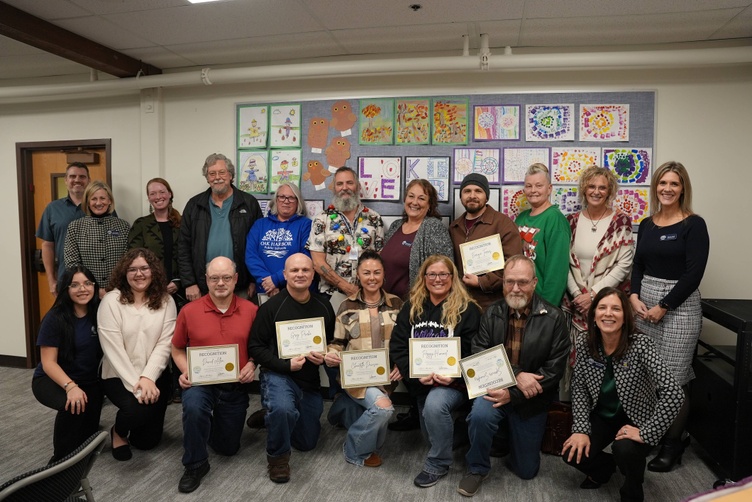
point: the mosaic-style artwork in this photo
(604, 122)
(549, 122)
(567, 164)
(496, 122)
(449, 122)
(513, 201)
(284, 127)
(413, 121)
(253, 126)
(632, 166)
(483, 161)
(380, 178)
(634, 202)
(285, 168)
(253, 171)
(517, 160)
(566, 198)
(433, 169)
(376, 121)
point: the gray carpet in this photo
(319, 475)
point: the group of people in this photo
(224, 274)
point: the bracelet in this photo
(74, 386)
(592, 296)
(67, 384)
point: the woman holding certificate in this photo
(136, 320)
(439, 308)
(364, 322)
(622, 393)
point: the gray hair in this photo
(302, 209)
(345, 169)
(538, 168)
(521, 258)
(213, 159)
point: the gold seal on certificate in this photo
(296, 338)
(487, 370)
(482, 255)
(212, 364)
(364, 368)
(434, 355)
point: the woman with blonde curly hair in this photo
(439, 307)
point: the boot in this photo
(670, 455)
(279, 468)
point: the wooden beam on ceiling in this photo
(31, 30)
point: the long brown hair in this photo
(457, 301)
(595, 340)
(173, 216)
(156, 293)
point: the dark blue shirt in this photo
(85, 365)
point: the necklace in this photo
(373, 305)
(594, 223)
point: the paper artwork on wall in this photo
(549, 122)
(496, 122)
(253, 171)
(318, 134)
(634, 202)
(566, 197)
(316, 173)
(632, 166)
(567, 164)
(433, 169)
(604, 122)
(314, 207)
(343, 117)
(485, 161)
(253, 126)
(337, 153)
(493, 201)
(264, 205)
(450, 122)
(413, 121)
(380, 178)
(513, 201)
(284, 126)
(517, 160)
(285, 168)
(376, 122)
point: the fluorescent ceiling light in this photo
(202, 1)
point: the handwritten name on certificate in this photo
(296, 338)
(435, 355)
(482, 255)
(212, 364)
(364, 368)
(487, 370)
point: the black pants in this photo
(70, 430)
(142, 424)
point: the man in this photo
(481, 220)
(535, 337)
(216, 223)
(213, 414)
(290, 388)
(56, 217)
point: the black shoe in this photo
(121, 453)
(408, 422)
(590, 484)
(257, 419)
(670, 454)
(191, 478)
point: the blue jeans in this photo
(293, 415)
(525, 438)
(368, 433)
(213, 415)
(435, 411)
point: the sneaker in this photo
(426, 479)
(470, 484)
(192, 478)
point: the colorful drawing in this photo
(314, 207)
(337, 153)
(380, 178)
(604, 122)
(496, 122)
(285, 168)
(284, 126)
(484, 161)
(632, 166)
(634, 202)
(253, 126)
(517, 160)
(253, 171)
(343, 117)
(376, 121)
(566, 197)
(413, 123)
(449, 122)
(549, 122)
(513, 201)
(493, 201)
(317, 174)
(567, 164)
(433, 169)
(318, 134)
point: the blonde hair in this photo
(93, 187)
(457, 301)
(590, 173)
(685, 199)
(538, 168)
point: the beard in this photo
(346, 204)
(516, 301)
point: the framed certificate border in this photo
(492, 251)
(196, 361)
(318, 342)
(347, 375)
(455, 349)
(507, 377)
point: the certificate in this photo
(364, 368)
(296, 338)
(482, 255)
(212, 364)
(487, 370)
(434, 355)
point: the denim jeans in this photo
(293, 415)
(368, 433)
(435, 411)
(525, 438)
(213, 415)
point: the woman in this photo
(418, 235)
(672, 251)
(67, 377)
(439, 306)
(622, 393)
(365, 321)
(136, 321)
(271, 240)
(99, 239)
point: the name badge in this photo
(596, 364)
(669, 237)
(354, 252)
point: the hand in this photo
(251, 289)
(273, 292)
(192, 292)
(146, 391)
(442, 380)
(75, 401)
(246, 374)
(297, 362)
(471, 280)
(348, 288)
(582, 302)
(395, 375)
(183, 381)
(172, 287)
(426, 380)
(655, 314)
(268, 284)
(332, 359)
(577, 444)
(629, 432)
(528, 384)
(499, 397)
(640, 309)
(315, 358)
(52, 281)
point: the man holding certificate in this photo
(536, 340)
(210, 347)
(288, 341)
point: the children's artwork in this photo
(284, 126)
(632, 166)
(376, 122)
(449, 122)
(253, 126)
(567, 164)
(314, 207)
(566, 197)
(316, 173)
(517, 160)
(413, 124)
(337, 153)
(483, 161)
(634, 202)
(285, 168)
(253, 171)
(264, 205)
(343, 117)
(513, 201)
(604, 122)
(496, 122)
(318, 134)
(380, 178)
(433, 169)
(493, 201)
(549, 122)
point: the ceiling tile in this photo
(595, 8)
(738, 27)
(104, 32)
(48, 10)
(402, 39)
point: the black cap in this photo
(476, 179)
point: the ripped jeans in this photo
(368, 433)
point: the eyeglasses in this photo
(286, 198)
(81, 285)
(214, 279)
(144, 270)
(217, 174)
(523, 283)
(442, 276)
